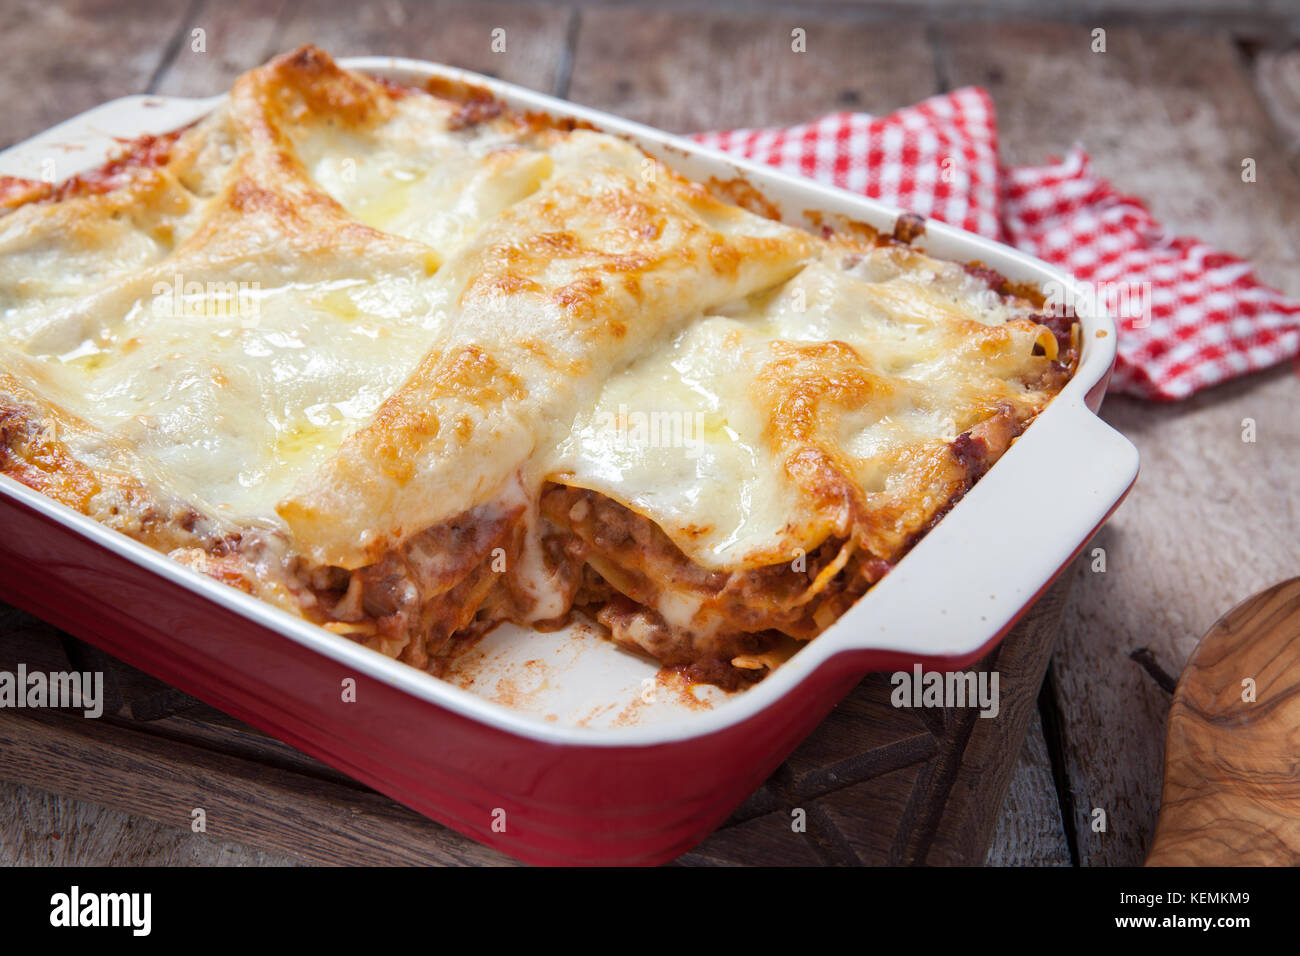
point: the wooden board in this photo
(1231, 792)
(1029, 830)
(680, 83)
(876, 784)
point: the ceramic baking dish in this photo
(559, 748)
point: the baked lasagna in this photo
(409, 364)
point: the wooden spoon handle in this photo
(1232, 755)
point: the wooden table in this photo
(1169, 112)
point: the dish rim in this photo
(945, 241)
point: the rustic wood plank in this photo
(689, 73)
(1029, 829)
(1277, 77)
(1255, 18)
(152, 771)
(981, 786)
(60, 59)
(135, 698)
(44, 829)
(456, 33)
(1212, 519)
(236, 36)
(245, 802)
(1167, 115)
(951, 802)
(38, 823)
(1231, 793)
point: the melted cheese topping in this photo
(235, 374)
(235, 392)
(556, 292)
(344, 316)
(696, 437)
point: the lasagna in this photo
(409, 364)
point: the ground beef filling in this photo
(452, 583)
(654, 598)
(418, 599)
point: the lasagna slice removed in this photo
(410, 365)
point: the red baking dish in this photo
(542, 775)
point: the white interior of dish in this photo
(954, 591)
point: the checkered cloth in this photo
(1189, 316)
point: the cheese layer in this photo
(345, 316)
(880, 365)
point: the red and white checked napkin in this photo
(1189, 315)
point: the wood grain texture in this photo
(458, 33)
(1253, 18)
(38, 828)
(1029, 829)
(1277, 77)
(689, 72)
(158, 754)
(244, 802)
(1231, 790)
(60, 59)
(236, 36)
(987, 767)
(1167, 115)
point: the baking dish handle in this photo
(983, 565)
